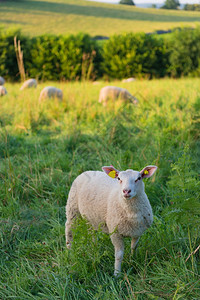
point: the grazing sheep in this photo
(3, 91)
(128, 79)
(116, 201)
(96, 82)
(2, 80)
(29, 83)
(51, 92)
(113, 93)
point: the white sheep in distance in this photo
(3, 91)
(29, 84)
(114, 93)
(50, 92)
(128, 79)
(113, 200)
(2, 80)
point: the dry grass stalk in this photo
(192, 253)
(19, 55)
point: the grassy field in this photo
(71, 16)
(44, 146)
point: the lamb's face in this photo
(130, 183)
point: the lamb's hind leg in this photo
(71, 215)
(68, 233)
(118, 243)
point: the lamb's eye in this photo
(118, 178)
(138, 179)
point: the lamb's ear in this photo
(111, 171)
(148, 171)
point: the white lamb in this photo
(29, 84)
(115, 201)
(2, 80)
(51, 92)
(114, 93)
(3, 91)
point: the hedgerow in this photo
(76, 57)
(136, 55)
(50, 57)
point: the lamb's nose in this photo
(126, 192)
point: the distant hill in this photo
(95, 18)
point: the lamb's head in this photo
(130, 181)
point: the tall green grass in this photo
(36, 17)
(44, 146)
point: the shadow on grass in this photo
(12, 22)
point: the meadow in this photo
(44, 146)
(36, 17)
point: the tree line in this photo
(168, 4)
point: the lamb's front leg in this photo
(118, 244)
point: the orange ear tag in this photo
(112, 174)
(146, 172)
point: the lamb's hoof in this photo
(132, 252)
(116, 274)
(68, 244)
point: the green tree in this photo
(127, 2)
(171, 4)
(130, 55)
(184, 53)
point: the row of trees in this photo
(169, 4)
(193, 7)
(78, 57)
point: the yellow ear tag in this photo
(112, 174)
(146, 172)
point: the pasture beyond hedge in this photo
(76, 57)
(94, 18)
